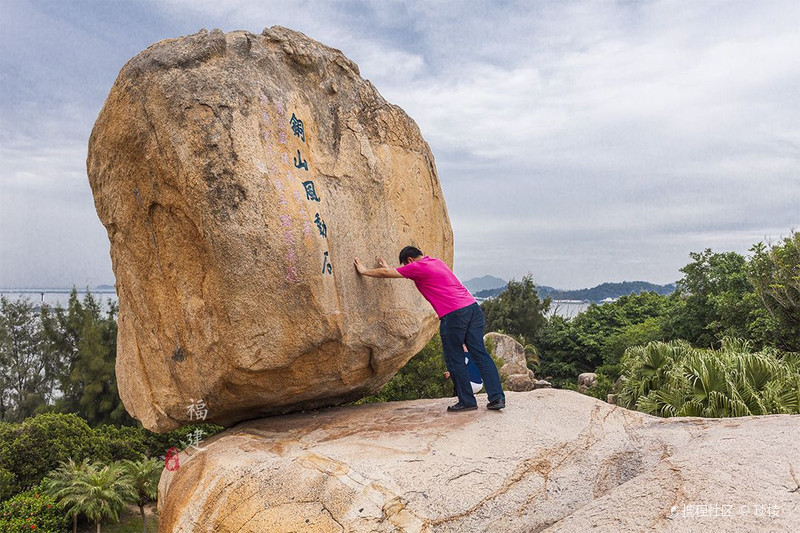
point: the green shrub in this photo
(126, 442)
(31, 449)
(675, 379)
(157, 444)
(489, 343)
(422, 377)
(498, 362)
(37, 445)
(8, 480)
(32, 511)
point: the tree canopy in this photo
(517, 311)
(60, 360)
(775, 273)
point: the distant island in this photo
(604, 291)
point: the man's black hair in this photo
(409, 252)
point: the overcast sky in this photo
(582, 142)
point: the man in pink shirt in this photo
(461, 322)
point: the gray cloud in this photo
(582, 141)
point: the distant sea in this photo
(565, 308)
(568, 308)
(54, 297)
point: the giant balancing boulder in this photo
(237, 176)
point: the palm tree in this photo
(59, 483)
(98, 492)
(143, 477)
(106, 491)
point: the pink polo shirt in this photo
(437, 284)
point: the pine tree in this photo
(83, 340)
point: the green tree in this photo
(143, 476)
(92, 376)
(637, 334)
(27, 374)
(595, 340)
(8, 479)
(561, 357)
(719, 301)
(517, 310)
(775, 273)
(7, 482)
(61, 330)
(83, 339)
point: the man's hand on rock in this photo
(359, 267)
(383, 271)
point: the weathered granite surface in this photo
(553, 460)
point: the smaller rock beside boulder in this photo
(587, 380)
(542, 384)
(518, 376)
(618, 384)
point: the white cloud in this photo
(582, 141)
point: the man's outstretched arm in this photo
(381, 272)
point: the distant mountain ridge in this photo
(595, 294)
(484, 283)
